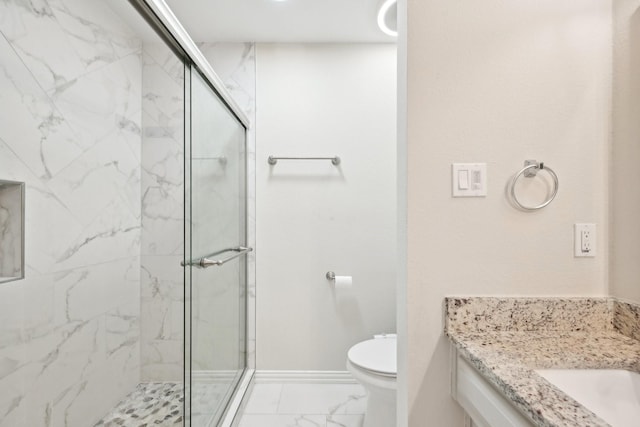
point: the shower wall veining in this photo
(163, 202)
(70, 121)
(162, 242)
(235, 64)
(92, 120)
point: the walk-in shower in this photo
(129, 305)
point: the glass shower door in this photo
(217, 253)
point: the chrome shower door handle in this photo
(239, 251)
(206, 262)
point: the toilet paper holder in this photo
(339, 282)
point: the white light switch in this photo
(463, 179)
(469, 179)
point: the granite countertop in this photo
(505, 339)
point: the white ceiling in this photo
(280, 21)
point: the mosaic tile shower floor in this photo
(150, 404)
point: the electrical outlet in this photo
(584, 240)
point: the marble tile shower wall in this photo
(84, 124)
(162, 203)
(70, 127)
(162, 297)
(235, 64)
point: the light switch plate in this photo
(469, 179)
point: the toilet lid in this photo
(377, 355)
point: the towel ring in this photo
(530, 170)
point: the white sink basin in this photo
(611, 394)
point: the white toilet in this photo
(373, 364)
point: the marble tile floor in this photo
(304, 405)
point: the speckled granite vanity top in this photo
(505, 339)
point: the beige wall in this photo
(499, 82)
(625, 200)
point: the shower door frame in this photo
(232, 406)
(160, 17)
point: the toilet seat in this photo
(377, 356)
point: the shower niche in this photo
(11, 231)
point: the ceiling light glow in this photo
(384, 16)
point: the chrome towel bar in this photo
(273, 160)
(206, 262)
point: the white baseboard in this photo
(308, 377)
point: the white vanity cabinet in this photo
(480, 400)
